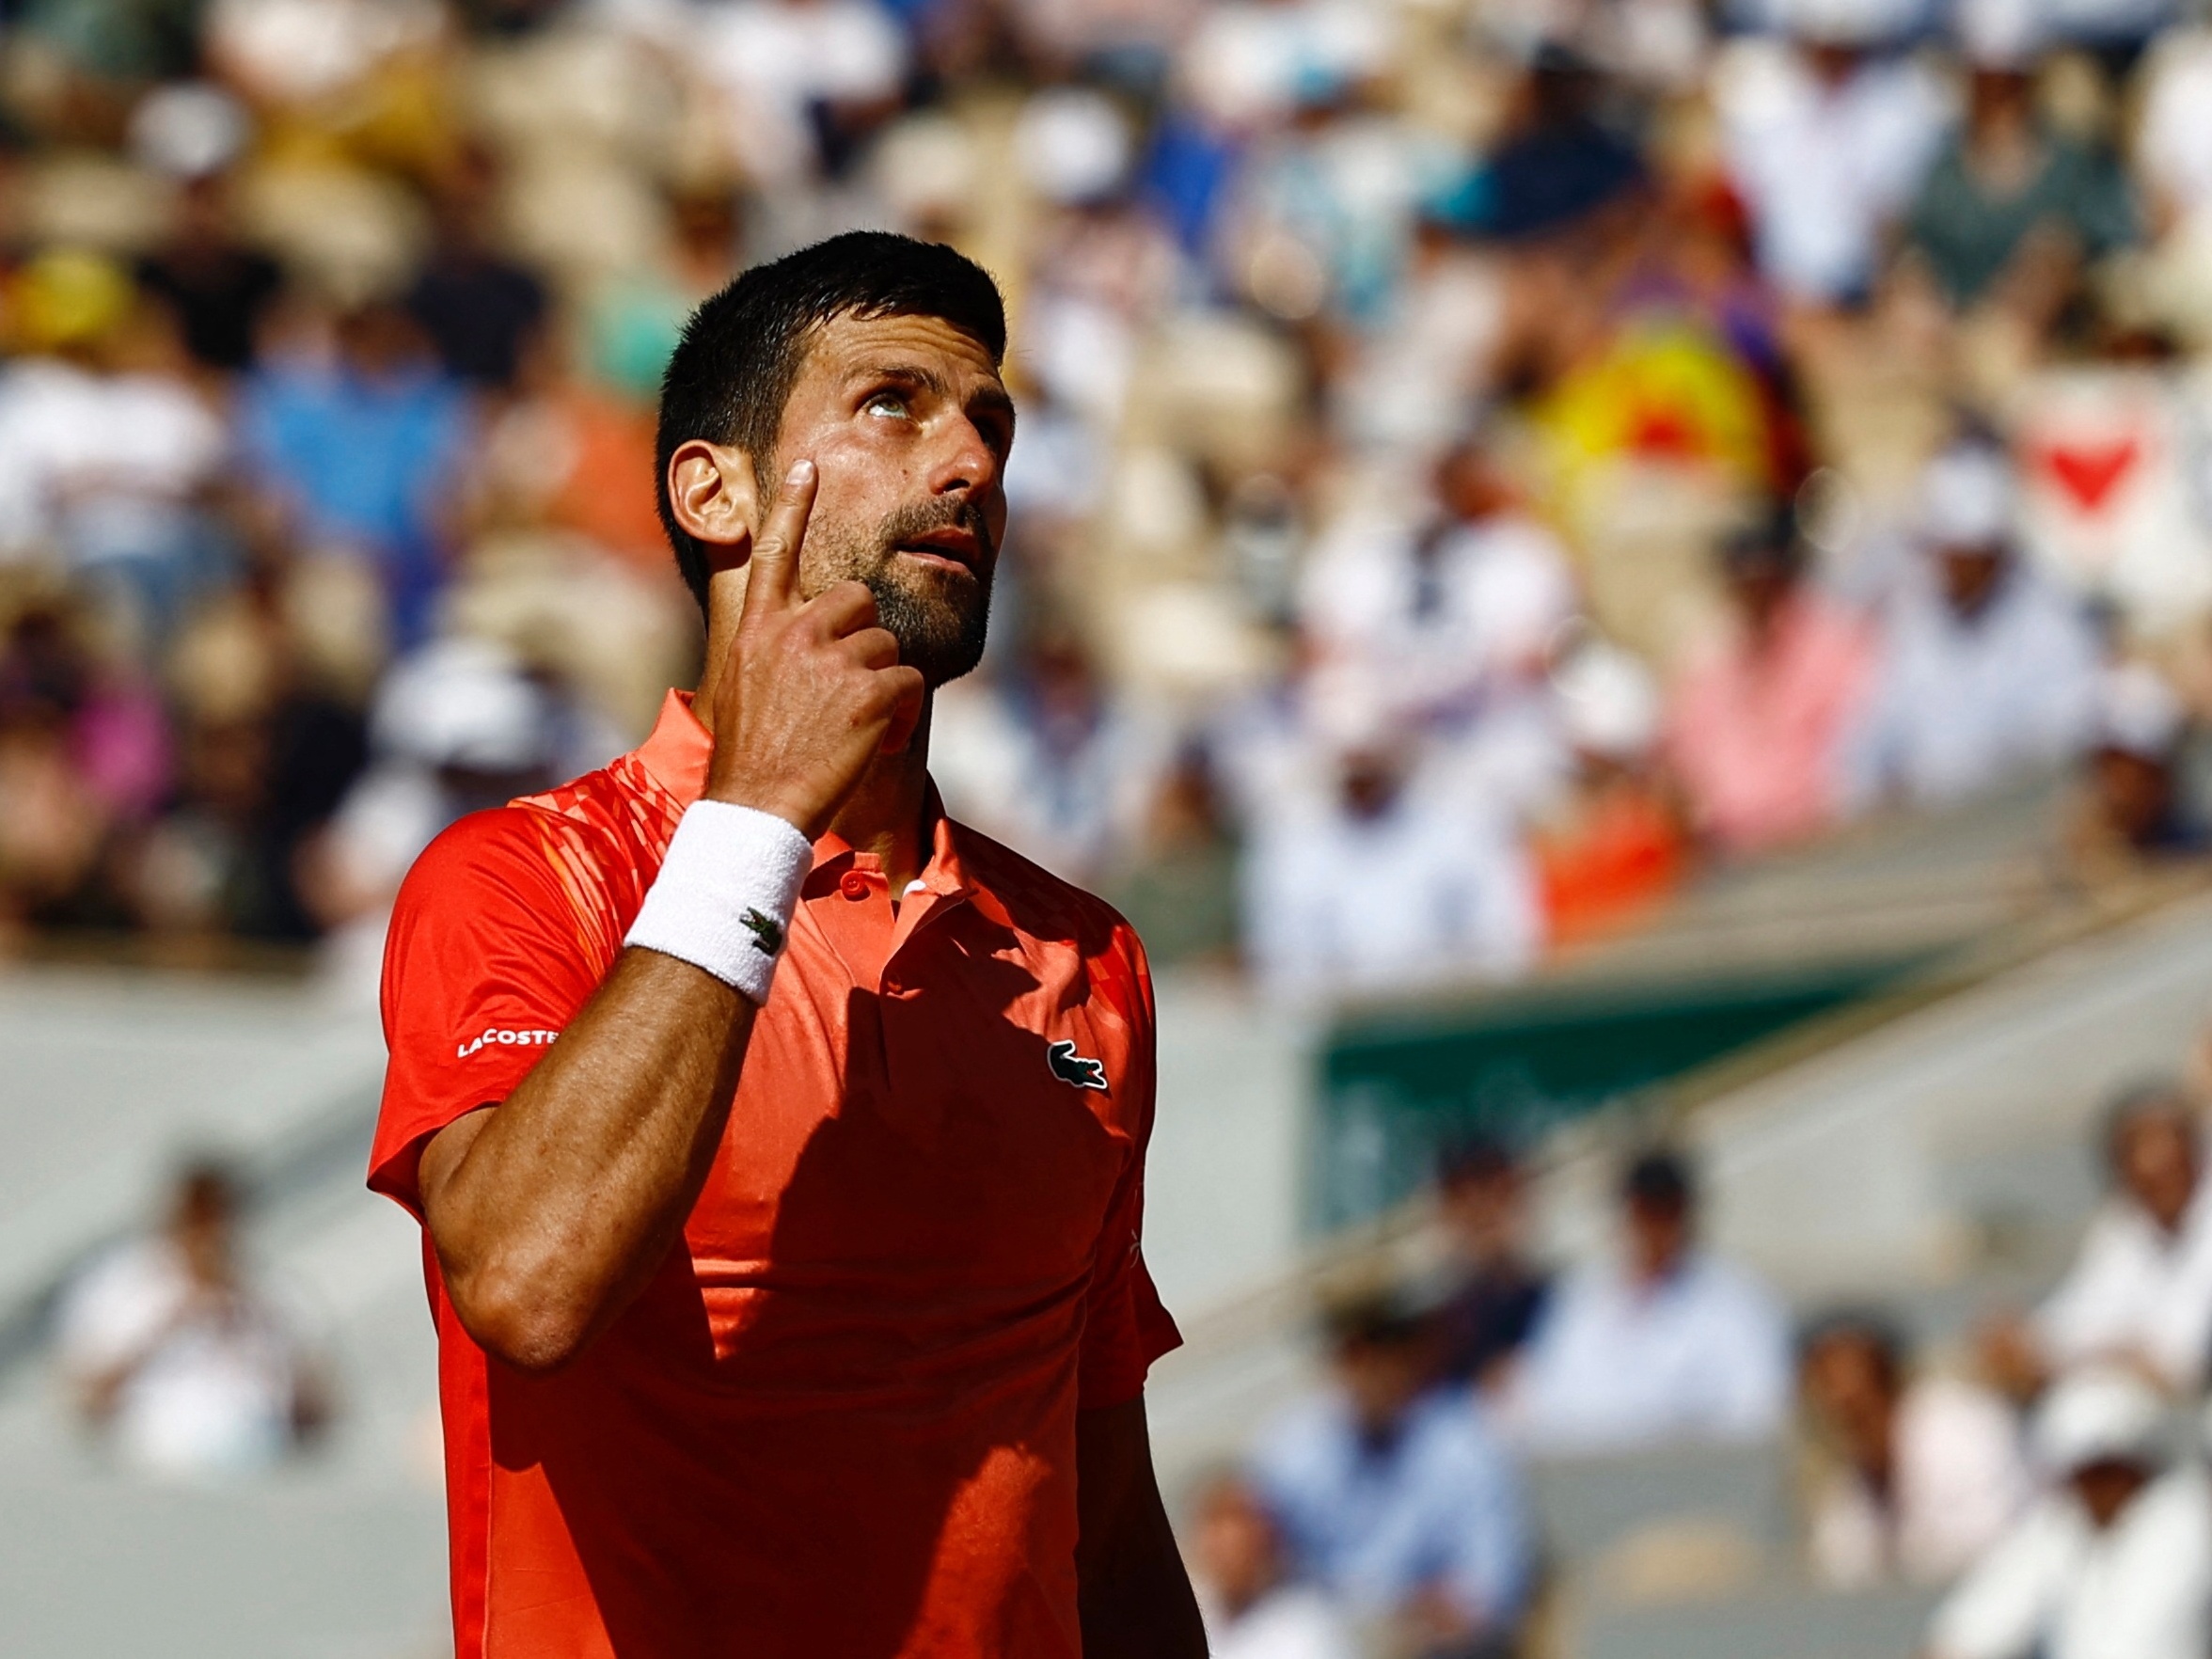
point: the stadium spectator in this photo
(1917, 1474)
(2139, 1290)
(1988, 669)
(1533, 305)
(2136, 805)
(359, 434)
(1757, 725)
(1826, 138)
(1388, 883)
(1450, 616)
(2113, 1561)
(1254, 1607)
(171, 1353)
(1399, 1499)
(1611, 846)
(1496, 1293)
(1661, 1343)
(1044, 757)
(2008, 195)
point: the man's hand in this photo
(813, 689)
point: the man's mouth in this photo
(955, 548)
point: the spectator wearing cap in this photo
(1452, 614)
(2139, 1290)
(2134, 806)
(1611, 845)
(1826, 138)
(1988, 669)
(1913, 1475)
(2114, 1562)
(2010, 205)
(1662, 1343)
(1497, 1293)
(458, 727)
(1254, 1605)
(1396, 1497)
(1756, 726)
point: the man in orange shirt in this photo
(812, 1325)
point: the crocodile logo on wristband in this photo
(767, 933)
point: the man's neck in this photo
(885, 814)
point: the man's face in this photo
(1848, 1384)
(2158, 1165)
(1970, 577)
(909, 425)
(1658, 1234)
(1381, 1380)
(2108, 1486)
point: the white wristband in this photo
(725, 893)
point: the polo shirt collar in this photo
(675, 756)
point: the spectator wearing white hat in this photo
(1827, 139)
(1611, 845)
(2133, 806)
(458, 726)
(2114, 1562)
(1988, 669)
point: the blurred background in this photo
(1621, 589)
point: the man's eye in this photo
(889, 404)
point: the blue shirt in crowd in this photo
(365, 458)
(1435, 1506)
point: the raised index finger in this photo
(774, 579)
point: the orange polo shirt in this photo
(841, 1419)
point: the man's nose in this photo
(965, 462)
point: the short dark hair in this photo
(1870, 1328)
(1660, 1179)
(1771, 540)
(1473, 1159)
(1373, 1317)
(741, 351)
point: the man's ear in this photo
(716, 499)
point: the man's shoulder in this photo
(1044, 905)
(585, 841)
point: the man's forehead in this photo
(846, 343)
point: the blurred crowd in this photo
(2045, 1471)
(1480, 460)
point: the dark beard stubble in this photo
(938, 619)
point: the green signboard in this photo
(1397, 1088)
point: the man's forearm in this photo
(1134, 1594)
(551, 1211)
(1142, 1608)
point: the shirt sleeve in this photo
(2002, 1608)
(1125, 1326)
(483, 964)
(1485, 1526)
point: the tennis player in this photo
(780, 1143)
